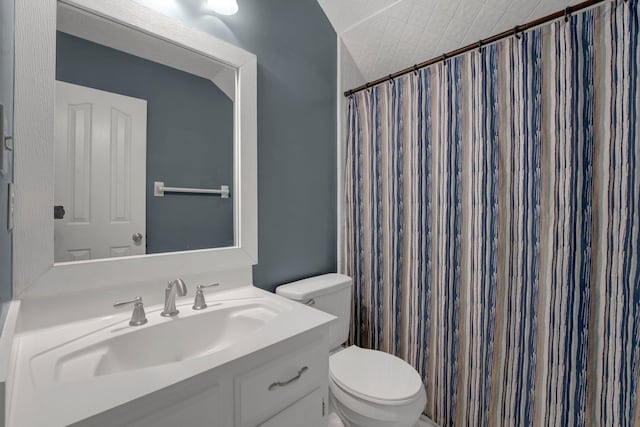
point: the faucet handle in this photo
(138, 317)
(200, 303)
(136, 300)
(210, 285)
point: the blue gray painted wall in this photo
(6, 99)
(189, 140)
(296, 49)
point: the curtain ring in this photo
(516, 29)
(567, 14)
(391, 79)
(415, 69)
(444, 58)
(480, 46)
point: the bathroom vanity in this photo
(250, 358)
(99, 339)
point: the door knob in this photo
(58, 212)
(137, 237)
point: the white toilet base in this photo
(354, 412)
(334, 420)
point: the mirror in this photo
(144, 144)
(129, 27)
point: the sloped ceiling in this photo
(387, 36)
(344, 14)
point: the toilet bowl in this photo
(374, 389)
(367, 388)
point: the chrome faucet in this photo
(175, 287)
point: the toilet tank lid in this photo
(314, 286)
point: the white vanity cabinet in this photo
(285, 385)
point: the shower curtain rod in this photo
(566, 13)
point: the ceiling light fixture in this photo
(221, 7)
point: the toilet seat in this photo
(375, 376)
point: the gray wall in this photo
(296, 49)
(189, 140)
(6, 98)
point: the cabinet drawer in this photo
(268, 389)
(306, 412)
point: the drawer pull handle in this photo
(286, 383)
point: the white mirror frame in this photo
(34, 270)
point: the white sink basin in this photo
(72, 370)
(122, 348)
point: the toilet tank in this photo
(330, 293)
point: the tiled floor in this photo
(424, 422)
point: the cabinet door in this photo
(188, 404)
(201, 410)
(306, 412)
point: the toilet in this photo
(367, 388)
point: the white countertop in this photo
(34, 402)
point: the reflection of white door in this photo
(100, 179)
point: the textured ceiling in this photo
(387, 36)
(344, 14)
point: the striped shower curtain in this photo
(491, 223)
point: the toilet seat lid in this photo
(374, 375)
